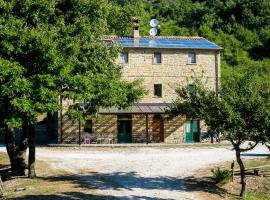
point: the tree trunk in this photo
(16, 154)
(32, 152)
(242, 172)
(21, 151)
(10, 146)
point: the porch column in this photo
(61, 119)
(79, 131)
(147, 136)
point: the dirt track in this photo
(137, 173)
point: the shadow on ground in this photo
(128, 181)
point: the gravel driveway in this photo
(138, 173)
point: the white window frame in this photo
(191, 58)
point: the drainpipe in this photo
(217, 71)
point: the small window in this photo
(157, 57)
(191, 58)
(191, 89)
(124, 57)
(157, 90)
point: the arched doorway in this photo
(157, 129)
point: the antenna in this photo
(154, 24)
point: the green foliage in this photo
(53, 48)
(222, 176)
(241, 111)
(242, 28)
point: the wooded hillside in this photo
(241, 27)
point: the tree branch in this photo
(249, 148)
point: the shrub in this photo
(222, 176)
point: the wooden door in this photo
(157, 129)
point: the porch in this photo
(141, 123)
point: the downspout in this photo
(217, 72)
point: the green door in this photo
(192, 134)
(124, 127)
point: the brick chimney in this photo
(136, 27)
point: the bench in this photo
(255, 170)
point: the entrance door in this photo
(192, 134)
(157, 129)
(124, 128)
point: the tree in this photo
(240, 112)
(55, 48)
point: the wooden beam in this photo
(79, 131)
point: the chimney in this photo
(136, 27)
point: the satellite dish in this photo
(153, 32)
(154, 23)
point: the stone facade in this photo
(173, 71)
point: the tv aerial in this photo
(154, 30)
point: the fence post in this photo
(232, 167)
(1, 188)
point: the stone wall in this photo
(173, 71)
(105, 126)
(174, 129)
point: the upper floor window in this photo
(157, 57)
(192, 89)
(157, 90)
(191, 57)
(124, 57)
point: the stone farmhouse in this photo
(163, 63)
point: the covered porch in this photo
(141, 123)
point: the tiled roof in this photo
(139, 108)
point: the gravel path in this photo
(138, 173)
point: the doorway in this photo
(157, 129)
(124, 129)
(192, 133)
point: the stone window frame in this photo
(191, 58)
(156, 85)
(154, 58)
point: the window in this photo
(157, 57)
(157, 90)
(191, 89)
(124, 57)
(191, 58)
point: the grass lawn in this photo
(258, 186)
(50, 184)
